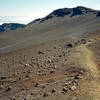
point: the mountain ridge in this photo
(79, 10)
(10, 26)
(71, 12)
(50, 29)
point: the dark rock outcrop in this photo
(98, 14)
(76, 11)
(11, 26)
(71, 12)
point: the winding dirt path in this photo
(87, 60)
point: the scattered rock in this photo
(66, 84)
(2, 78)
(77, 77)
(25, 99)
(13, 98)
(73, 88)
(74, 82)
(9, 88)
(70, 45)
(60, 55)
(60, 48)
(15, 74)
(37, 84)
(40, 52)
(19, 78)
(45, 95)
(52, 71)
(65, 89)
(53, 90)
(32, 93)
(27, 65)
(1, 86)
(43, 86)
(81, 72)
(22, 89)
(55, 67)
(49, 61)
(83, 41)
(27, 76)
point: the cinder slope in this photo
(50, 28)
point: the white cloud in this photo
(15, 19)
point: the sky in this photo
(25, 11)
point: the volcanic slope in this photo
(66, 22)
(60, 59)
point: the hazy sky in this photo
(27, 10)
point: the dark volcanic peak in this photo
(80, 10)
(71, 12)
(11, 26)
(76, 11)
(83, 8)
(58, 13)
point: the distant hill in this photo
(11, 26)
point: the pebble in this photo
(13, 98)
(37, 84)
(73, 88)
(45, 95)
(1, 86)
(49, 61)
(53, 90)
(9, 88)
(65, 89)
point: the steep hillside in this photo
(53, 58)
(67, 22)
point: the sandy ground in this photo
(63, 69)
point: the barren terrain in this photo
(58, 59)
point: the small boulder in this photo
(77, 77)
(65, 89)
(13, 98)
(83, 41)
(66, 84)
(45, 95)
(52, 71)
(81, 72)
(27, 65)
(40, 52)
(9, 88)
(32, 93)
(37, 84)
(25, 99)
(2, 78)
(70, 45)
(49, 61)
(22, 89)
(27, 76)
(73, 88)
(1, 86)
(55, 67)
(53, 90)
